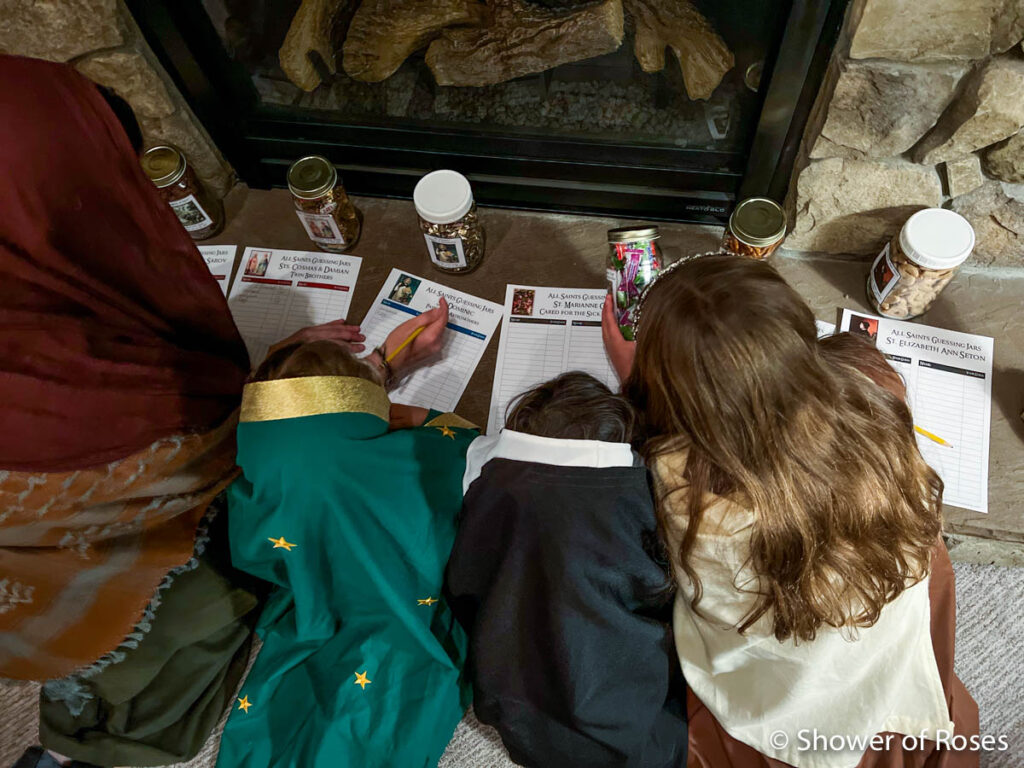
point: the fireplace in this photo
(663, 109)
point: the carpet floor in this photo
(989, 653)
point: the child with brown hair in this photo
(570, 653)
(815, 608)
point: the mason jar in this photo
(449, 223)
(199, 212)
(330, 219)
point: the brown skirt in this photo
(711, 747)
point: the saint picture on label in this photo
(190, 214)
(258, 263)
(864, 326)
(522, 301)
(405, 288)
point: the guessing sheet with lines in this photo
(278, 292)
(220, 259)
(471, 323)
(949, 385)
(545, 332)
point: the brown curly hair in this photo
(729, 368)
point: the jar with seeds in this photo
(913, 268)
(448, 219)
(322, 205)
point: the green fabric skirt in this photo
(161, 701)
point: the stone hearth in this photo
(923, 105)
(100, 38)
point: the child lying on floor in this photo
(570, 659)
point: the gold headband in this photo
(647, 289)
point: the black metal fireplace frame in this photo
(510, 169)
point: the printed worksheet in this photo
(220, 259)
(278, 292)
(545, 332)
(471, 324)
(949, 386)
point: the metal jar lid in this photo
(632, 234)
(312, 177)
(758, 221)
(164, 165)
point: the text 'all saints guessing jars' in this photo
(448, 219)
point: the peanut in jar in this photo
(917, 264)
(330, 219)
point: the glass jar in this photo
(448, 220)
(199, 212)
(633, 262)
(913, 268)
(756, 228)
(322, 205)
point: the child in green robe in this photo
(361, 663)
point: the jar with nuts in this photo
(199, 212)
(914, 267)
(449, 222)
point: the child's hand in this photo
(405, 416)
(336, 330)
(425, 346)
(620, 352)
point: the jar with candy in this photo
(920, 260)
(199, 212)
(756, 228)
(448, 219)
(633, 262)
(322, 205)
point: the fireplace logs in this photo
(474, 43)
(310, 31)
(522, 38)
(384, 33)
(703, 55)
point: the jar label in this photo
(321, 228)
(446, 252)
(191, 214)
(884, 275)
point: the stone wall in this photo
(922, 105)
(100, 38)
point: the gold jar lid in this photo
(632, 234)
(311, 177)
(758, 221)
(164, 164)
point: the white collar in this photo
(519, 446)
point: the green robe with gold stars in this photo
(361, 663)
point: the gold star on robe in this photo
(362, 680)
(447, 432)
(427, 601)
(244, 704)
(282, 544)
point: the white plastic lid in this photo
(936, 238)
(442, 197)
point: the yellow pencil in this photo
(406, 343)
(931, 436)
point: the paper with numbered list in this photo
(277, 292)
(949, 387)
(546, 332)
(220, 259)
(471, 324)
